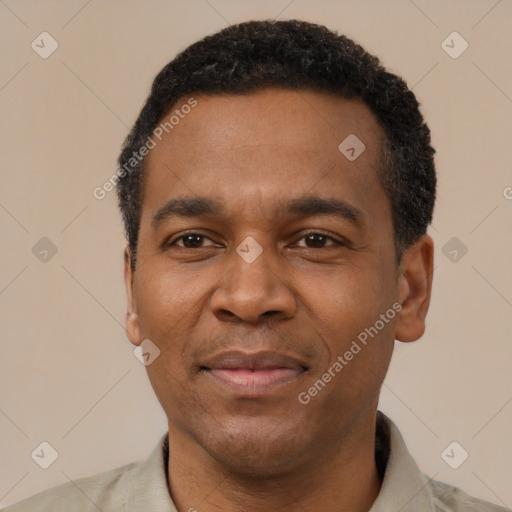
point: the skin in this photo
(305, 297)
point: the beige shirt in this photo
(142, 487)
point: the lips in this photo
(253, 375)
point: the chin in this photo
(257, 448)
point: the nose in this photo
(253, 292)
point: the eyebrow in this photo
(303, 206)
(186, 207)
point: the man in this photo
(276, 191)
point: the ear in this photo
(415, 286)
(132, 319)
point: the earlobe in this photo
(415, 287)
(132, 319)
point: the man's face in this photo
(242, 338)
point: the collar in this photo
(148, 487)
(404, 488)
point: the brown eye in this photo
(190, 241)
(318, 241)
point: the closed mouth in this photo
(254, 374)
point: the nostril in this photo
(225, 314)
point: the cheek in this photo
(359, 346)
(165, 310)
(162, 317)
(165, 299)
(348, 308)
(171, 305)
(346, 301)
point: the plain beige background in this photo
(68, 375)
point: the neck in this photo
(335, 477)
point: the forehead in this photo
(274, 144)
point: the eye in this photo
(313, 240)
(189, 241)
(318, 241)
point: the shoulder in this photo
(448, 498)
(103, 491)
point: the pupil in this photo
(319, 238)
(192, 240)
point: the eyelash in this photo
(339, 243)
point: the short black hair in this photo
(294, 54)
